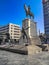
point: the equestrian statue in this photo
(28, 12)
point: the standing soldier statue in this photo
(24, 35)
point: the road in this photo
(9, 58)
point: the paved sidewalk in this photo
(8, 58)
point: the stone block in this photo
(35, 41)
(33, 49)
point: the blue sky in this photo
(13, 11)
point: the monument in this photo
(28, 37)
(28, 12)
(29, 29)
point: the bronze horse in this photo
(28, 12)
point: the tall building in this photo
(12, 29)
(46, 16)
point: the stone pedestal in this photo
(31, 31)
(30, 27)
(35, 41)
(33, 49)
(22, 41)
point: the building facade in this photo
(46, 16)
(13, 30)
(30, 27)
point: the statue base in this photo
(30, 29)
(31, 41)
(35, 41)
(23, 41)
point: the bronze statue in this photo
(28, 12)
(24, 35)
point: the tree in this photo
(43, 38)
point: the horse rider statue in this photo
(28, 12)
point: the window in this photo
(11, 33)
(11, 30)
(11, 37)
